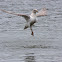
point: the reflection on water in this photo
(30, 57)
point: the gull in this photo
(30, 19)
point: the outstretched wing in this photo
(41, 12)
(9, 12)
(23, 15)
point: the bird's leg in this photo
(32, 33)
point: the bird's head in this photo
(35, 10)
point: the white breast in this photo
(32, 18)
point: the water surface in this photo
(17, 44)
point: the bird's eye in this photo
(35, 10)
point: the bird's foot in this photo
(32, 34)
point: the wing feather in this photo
(41, 12)
(23, 15)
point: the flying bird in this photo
(30, 19)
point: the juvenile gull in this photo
(31, 19)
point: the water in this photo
(17, 44)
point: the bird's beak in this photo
(36, 10)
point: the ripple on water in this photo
(41, 46)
